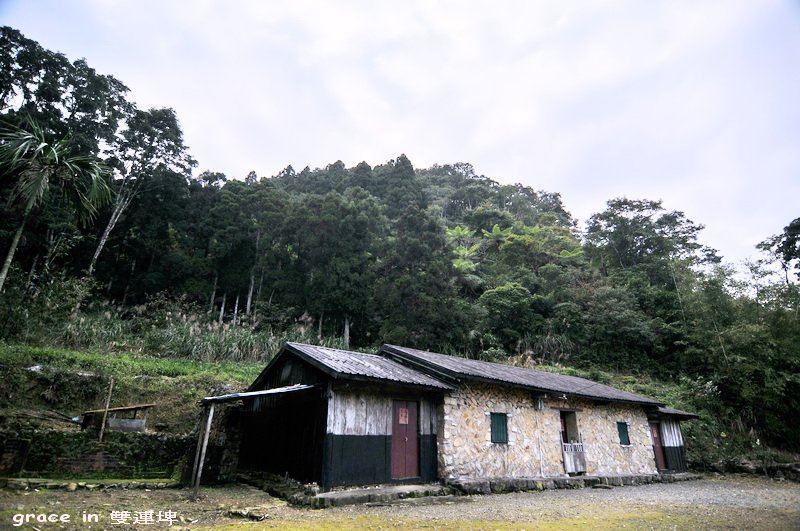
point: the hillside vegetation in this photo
(46, 387)
(113, 245)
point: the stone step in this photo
(377, 495)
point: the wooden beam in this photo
(206, 433)
(105, 411)
(196, 461)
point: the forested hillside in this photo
(113, 241)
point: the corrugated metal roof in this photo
(463, 368)
(677, 413)
(255, 394)
(343, 363)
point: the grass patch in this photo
(126, 365)
(70, 382)
(609, 520)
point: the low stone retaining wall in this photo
(50, 484)
(788, 471)
(63, 454)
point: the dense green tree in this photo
(69, 99)
(150, 146)
(396, 183)
(785, 248)
(39, 167)
(508, 314)
(415, 294)
(334, 240)
(641, 234)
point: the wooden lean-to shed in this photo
(365, 419)
(665, 429)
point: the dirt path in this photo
(731, 502)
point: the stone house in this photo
(337, 418)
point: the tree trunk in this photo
(250, 290)
(213, 294)
(52, 244)
(12, 250)
(253, 276)
(346, 331)
(319, 330)
(258, 295)
(32, 272)
(128, 284)
(236, 310)
(222, 308)
(677, 292)
(122, 202)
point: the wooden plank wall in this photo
(369, 413)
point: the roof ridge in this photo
(525, 376)
(296, 344)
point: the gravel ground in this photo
(717, 502)
(723, 502)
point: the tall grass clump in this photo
(36, 313)
(161, 327)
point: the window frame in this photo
(498, 427)
(624, 434)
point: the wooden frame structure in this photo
(208, 417)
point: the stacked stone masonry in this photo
(534, 435)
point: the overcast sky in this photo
(692, 102)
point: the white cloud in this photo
(691, 102)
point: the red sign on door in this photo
(402, 415)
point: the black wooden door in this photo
(405, 440)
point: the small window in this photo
(624, 439)
(499, 428)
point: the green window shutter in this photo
(622, 428)
(499, 428)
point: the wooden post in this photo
(206, 433)
(105, 411)
(199, 444)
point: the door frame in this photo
(658, 446)
(410, 453)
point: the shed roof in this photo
(135, 407)
(359, 366)
(677, 413)
(461, 368)
(256, 394)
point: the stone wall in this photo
(534, 436)
(58, 453)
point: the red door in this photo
(658, 448)
(405, 440)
